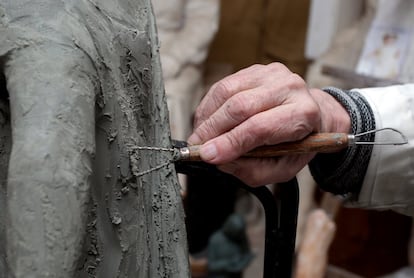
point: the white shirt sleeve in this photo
(389, 181)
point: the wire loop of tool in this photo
(158, 149)
(354, 138)
(146, 172)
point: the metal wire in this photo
(147, 148)
(159, 149)
(403, 142)
(146, 172)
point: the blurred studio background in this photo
(347, 44)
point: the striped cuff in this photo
(343, 173)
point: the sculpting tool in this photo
(317, 142)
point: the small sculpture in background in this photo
(228, 250)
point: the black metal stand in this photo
(281, 210)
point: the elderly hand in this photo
(262, 105)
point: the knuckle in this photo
(256, 67)
(269, 70)
(308, 120)
(273, 134)
(268, 129)
(300, 130)
(279, 68)
(295, 81)
(198, 116)
(235, 142)
(226, 87)
(207, 129)
(237, 109)
(312, 113)
(259, 131)
(221, 87)
(218, 93)
(251, 135)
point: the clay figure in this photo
(81, 87)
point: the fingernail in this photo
(208, 152)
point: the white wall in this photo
(327, 18)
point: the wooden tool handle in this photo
(318, 142)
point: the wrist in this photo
(344, 172)
(334, 116)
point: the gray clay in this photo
(80, 86)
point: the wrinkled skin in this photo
(80, 86)
(262, 105)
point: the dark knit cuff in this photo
(343, 173)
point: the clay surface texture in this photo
(80, 87)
